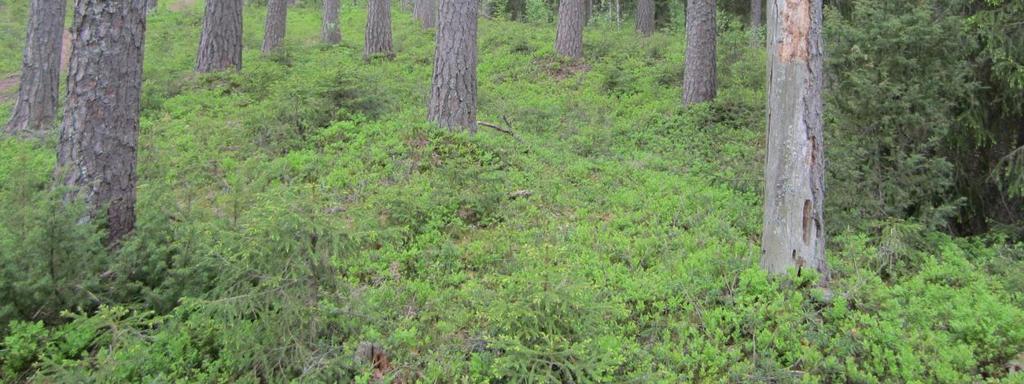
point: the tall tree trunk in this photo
(794, 233)
(645, 17)
(36, 106)
(97, 150)
(220, 45)
(426, 12)
(150, 6)
(516, 9)
(700, 75)
(756, 14)
(588, 8)
(453, 94)
(277, 21)
(378, 30)
(330, 30)
(569, 37)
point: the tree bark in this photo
(97, 151)
(426, 12)
(220, 45)
(378, 30)
(645, 17)
(569, 37)
(277, 21)
(453, 94)
(756, 14)
(700, 75)
(36, 105)
(330, 30)
(794, 233)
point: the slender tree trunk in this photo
(756, 14)
(330, 30)
(97, 150)
(220, 45)
(794, 233)
(700, 75)
(151, 6)
(645, 17)
(277, 21)
(426, 12)
(453, 94)
(569, 37)
(516, 9)
(378, 30)
(588, 8)
(36, 106)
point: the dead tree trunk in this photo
(426, 12)
(794, 231)
(645, 17)
(330, 29)
(277, 21)
(453, 94)
(569, 37)
(36, 105)
(378, 30)
(97, 150)
(700, 75)
(220, 45)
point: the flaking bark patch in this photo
(796, 26)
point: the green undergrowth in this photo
(302, 207)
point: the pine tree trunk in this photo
(36, 105)
(220, 46)
(756, 14)
(277, 21)
(378, 30)
(97, 151)
(794, 233)
(645, 17)
(700, 75)
(426, 12)
(453, 94)
(569, 37)
(516, 9)
(330, 30)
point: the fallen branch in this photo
(497, 128)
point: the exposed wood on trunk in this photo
(97, 151)
(794, 231)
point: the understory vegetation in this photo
(300, 211)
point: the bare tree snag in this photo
(794, 234)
